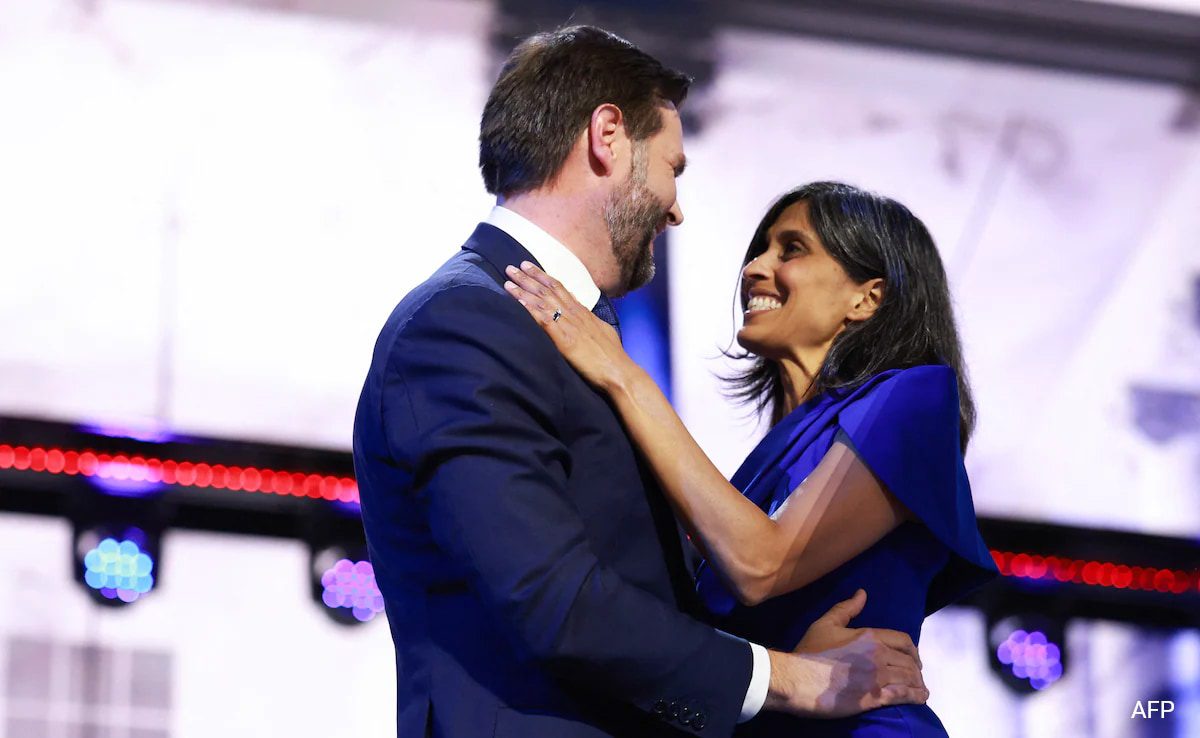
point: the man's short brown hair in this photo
(545, 96)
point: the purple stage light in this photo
(150, 433)
(351, 584)
(1030, 655)
(126, 479)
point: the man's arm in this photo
(837, 670)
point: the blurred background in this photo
(208, 208)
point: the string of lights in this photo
(198, 474)
(202, 475)
(1096, 573)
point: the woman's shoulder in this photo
(913, 397)
(919, 375)
(924, 384)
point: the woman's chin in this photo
(745, 338)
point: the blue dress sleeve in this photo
(906, 430)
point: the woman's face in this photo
(800, 298)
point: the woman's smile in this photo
(762, 304)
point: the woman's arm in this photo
(836, 513)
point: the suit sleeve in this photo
(484, 386)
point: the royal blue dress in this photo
(904, 425)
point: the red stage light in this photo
(1095, 573)
(178, 473)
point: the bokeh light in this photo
(119, 570)
(1032, 656)
(351, 584)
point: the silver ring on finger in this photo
(557, 315)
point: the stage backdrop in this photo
(1065, 211)
(209, 209)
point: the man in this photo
(534, 578)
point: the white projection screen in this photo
(209, 210)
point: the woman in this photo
(860, 482)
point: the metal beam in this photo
(1073, 35)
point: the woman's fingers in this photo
(545, 297)
(541, 277)
(552, 289)
(531, 302)
(532, 294)
(521, 295)
(529, 285)
(538, 299)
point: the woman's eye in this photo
(793, 247)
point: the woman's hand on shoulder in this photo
(591, 346)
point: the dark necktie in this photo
(605, 311)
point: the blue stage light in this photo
(119, 570)
(351, 584)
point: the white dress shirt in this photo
(554, 258)
(559, 262)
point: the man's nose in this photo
(675, 215)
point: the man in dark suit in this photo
(533, 574)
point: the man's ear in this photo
(606, 138)
(870, 297)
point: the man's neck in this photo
(574, 224)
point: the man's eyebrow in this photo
(680, 165)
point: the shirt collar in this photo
(554, 258)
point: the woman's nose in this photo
(756, 270)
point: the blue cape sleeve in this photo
(906, 430)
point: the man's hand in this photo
(837, 670)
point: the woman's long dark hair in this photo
(870, 236)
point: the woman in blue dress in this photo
(860, 482)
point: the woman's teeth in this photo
(763, 303)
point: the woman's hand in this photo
(587, 342)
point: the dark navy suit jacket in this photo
(532, 572)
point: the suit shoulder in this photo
(460, 273)
(462, 308)
(459, 305)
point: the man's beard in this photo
(633, 215)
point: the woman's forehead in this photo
(794, 220)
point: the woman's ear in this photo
(870, 296)
(606, 130)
